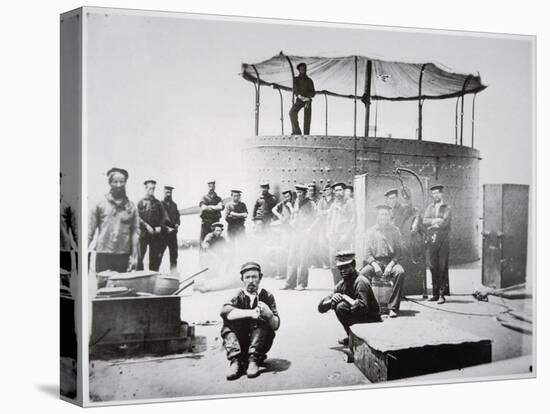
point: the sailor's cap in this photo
(339, 184)
(118, 170)
(250, 266)
(344, 257)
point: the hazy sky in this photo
(165, 99)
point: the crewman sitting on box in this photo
(353, 300)
(250, 319)
(383, 251)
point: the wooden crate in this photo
(402, 348)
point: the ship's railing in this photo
(367, 101)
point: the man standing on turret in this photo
(304, 90)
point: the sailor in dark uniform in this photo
(437, 220)
(353, 300)
(250, 319)
(153, 220)
(211, 206)
(304, 90)
(262, 211)
(235, 215)
(171, 234)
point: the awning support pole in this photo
(355, 122)
(282, 109)
(257, 111)
(326, 115)
(355, 102)
(462, 108)
(367, 102)
(293, 75)
(473, 117)
(456, 121)
(420, 102)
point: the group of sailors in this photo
(305, 229)
(123, 233)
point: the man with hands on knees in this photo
(250, 319)
(353, 300)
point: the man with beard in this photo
(340, 226)
(353, 300)
(382, 255)
(437, 220)
(250, 319)
(299, 254)
(153, 220)
(171, 235)
(304, 90)
(264, 205)
(211, 207)
(235, 215)
(116, 221)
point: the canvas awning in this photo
(342, 76)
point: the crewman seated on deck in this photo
(250, 319)
(353, 300)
